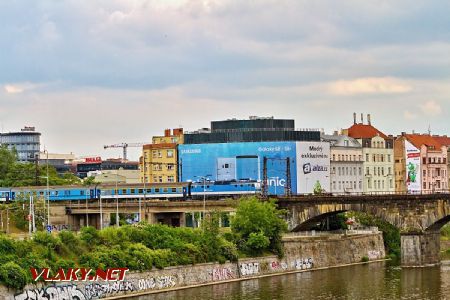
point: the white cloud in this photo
(373, 85)
(431, 108)
(18, 88)
(409, 115)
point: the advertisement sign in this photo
(96, 159)
(313, 167)
(239, 162)
(412, 168)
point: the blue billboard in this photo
(239, 162)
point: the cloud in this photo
(431, 108)
(369, 86)
(18, 88)
(409, 115)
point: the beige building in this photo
(159, 161)
(378, 156)
(119, 176)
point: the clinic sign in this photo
(412, 160)
(313, 167)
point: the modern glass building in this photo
(27, 143)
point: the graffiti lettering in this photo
(222, 274)
(68, 292)
(275, 265)
(374, 254)
(97, 290)
(303, 263)
(249, 268)
(161, 282)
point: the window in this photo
(438, 171)
(159, 154)
(334, 156)
(389, 171)
(154, 153)
(340, 186)
(334, 185)
(160, 179)
(124, 191)
(174, 190)
(389, 158)
(369, 183)
(367, 171)
(374, 157)
(360, 171)
(382, 157)
(360, 184)
(339, 157)
(424, 185)
(169, 153)
(170, 179)
(333, 170)
(170, 167)
(424, 173)
(367, 156)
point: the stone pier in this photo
(420, 249)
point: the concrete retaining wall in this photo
(300, 254)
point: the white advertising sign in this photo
(412, 168)
(313, 167)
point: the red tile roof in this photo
(423, 139)
(443, 140)
(362, 131)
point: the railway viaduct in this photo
(419, 218)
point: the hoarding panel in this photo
(239, 161)
(313, 167)
(412, 160)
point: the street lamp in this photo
(204, 192)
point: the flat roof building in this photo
(27, 143)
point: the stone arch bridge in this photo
(419, 218)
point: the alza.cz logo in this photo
(308, 168)
(80, 274)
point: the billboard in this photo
(239, 162)
(412, 161)
(313, 167)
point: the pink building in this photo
(433, 174)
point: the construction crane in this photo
(124, 146)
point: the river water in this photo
(369, 281)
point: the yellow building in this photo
(159, 161)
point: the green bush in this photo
(257, 243)
(90, 236)
(364, 259)
(13, 275)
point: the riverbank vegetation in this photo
(256, 229)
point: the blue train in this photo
(169, 191)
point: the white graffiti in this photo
(374, 254)
(67, 292)
(303, 263)
(249, 268)
(160, 282)
(97, 290)
(222, 274)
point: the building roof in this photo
(338, 140)
(363, 131)
(443, 140)
(160, 146)
(423, 139)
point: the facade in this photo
(119, 176)
(445, 141)
(421, 163)
(159, 161)
(255, 129)
(305, 165)
(27, 143)
(346, 160)
(91, 164)
(61, 162)
(378, 156)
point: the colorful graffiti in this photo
(97, 290)
(66, 292)
(219, 274)
(374, 254)
(303, 263)
(160, 282)
(277, 266)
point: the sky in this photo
(90, 73)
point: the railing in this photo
(312, 233)
(436, 192)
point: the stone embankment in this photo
(301, 254)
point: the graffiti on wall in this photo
(303, 263)
(248, 269)
(277, 266)
(98, 290)
(219, 274)
(374, 254)
(66, 292)
(157, 283)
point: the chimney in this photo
(403, 133)
(178, 131)
(368, 119)
(362, 119)
(354, 118)
(167, 132)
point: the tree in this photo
(254, 221)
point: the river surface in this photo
(369, 281)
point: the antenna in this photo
(429, 129)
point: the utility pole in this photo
(48, 196)
(117, 205)
(145, 187)
(36, 164)
(264, 189)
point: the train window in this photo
(242, 185)
(82, 193)
(141, 191)
(156, 190)
(56, 193)
(124, 191)
(253, 185)
(207, 186)
(41, 193)
(66, 193)
(149, 190)
(132, 191)
(164, 190)
(174, 190)
(235, 185)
